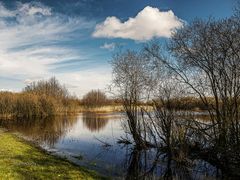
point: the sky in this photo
(74, 40)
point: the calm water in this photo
(83, 138)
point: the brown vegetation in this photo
(94, 98)
(42, 98)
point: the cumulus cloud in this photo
(148, 23)
(32, 38)
(108, 46)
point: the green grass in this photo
(21, 160)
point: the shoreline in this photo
(103, 109)
(23, 159)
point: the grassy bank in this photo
(20, 160)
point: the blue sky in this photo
(74, 39)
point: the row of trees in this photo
(26, 105)
(42, 98)
(97, 98)
(48, 97)
(201, 60)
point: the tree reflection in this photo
(142, 164)
(94, 121)
(46, 130)
(149, 164)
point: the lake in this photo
(90, 140)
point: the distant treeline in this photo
(188, 103)
(42, 98)
(48, 97)
(97, 98)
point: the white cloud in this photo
(108, 46)
(96, 78)
(148, 23)
(32, 38)
(79, 83)
(9, 90)
(5, 12)
(34, 8)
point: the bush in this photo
(50, 87)
(29, 105)
(42, 98)
(94, 98)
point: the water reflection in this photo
(44, 131)
(141, 165)
(94, 121)
(153, 164)
(50, 130)
(76, 135)
(147, 164)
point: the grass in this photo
(21, 160)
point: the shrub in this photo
(94, 98)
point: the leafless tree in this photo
(50, 87)
(205, 60)
(201, 61)
(131, 80)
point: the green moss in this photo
(20, 160)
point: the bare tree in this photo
(50, 87)
(205, 59)
(130, 81)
